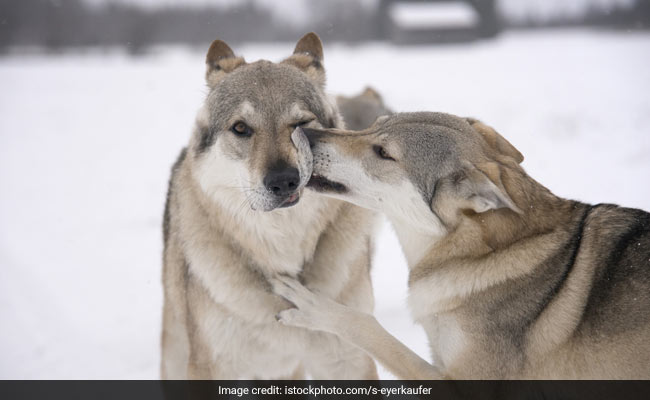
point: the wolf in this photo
(508, 280)
(360, 111)
(237, 214)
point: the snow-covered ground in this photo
(86, 142)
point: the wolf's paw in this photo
(293, 317)
(293, 291)
(313, 310)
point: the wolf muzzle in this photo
(282, 179)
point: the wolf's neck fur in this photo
(482, 250)
(280, 241)
(415, 243)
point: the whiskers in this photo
(250, 202)
(255, 199)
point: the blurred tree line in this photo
(55, 24)
(58, 23)
(596, 14)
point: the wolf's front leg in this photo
(317, 312)
(313, 310)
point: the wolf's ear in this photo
(372, 95)
(481, 189)
(308, 57)
(220, 61)
(310, 44)
(496, 141)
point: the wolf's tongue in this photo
(292, 198)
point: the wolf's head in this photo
(360, 111)
(242, 144)
(421, 168)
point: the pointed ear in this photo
(308, 57)
(496, 141)
(481, 189)
(372, 95)
(310, 44)
(220, 61)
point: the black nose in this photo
(282, 181)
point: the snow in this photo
(87, 140)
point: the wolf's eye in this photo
(241, 129)
(302, 123)
(382, 153)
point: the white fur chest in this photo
(281, 241)
(264, 351)
(416, 226)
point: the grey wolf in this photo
(237, 214)
(508, 280)
(361, 111)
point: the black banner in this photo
(398, 390)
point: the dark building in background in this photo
(483, 21)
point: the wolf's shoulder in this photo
(170, 189)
